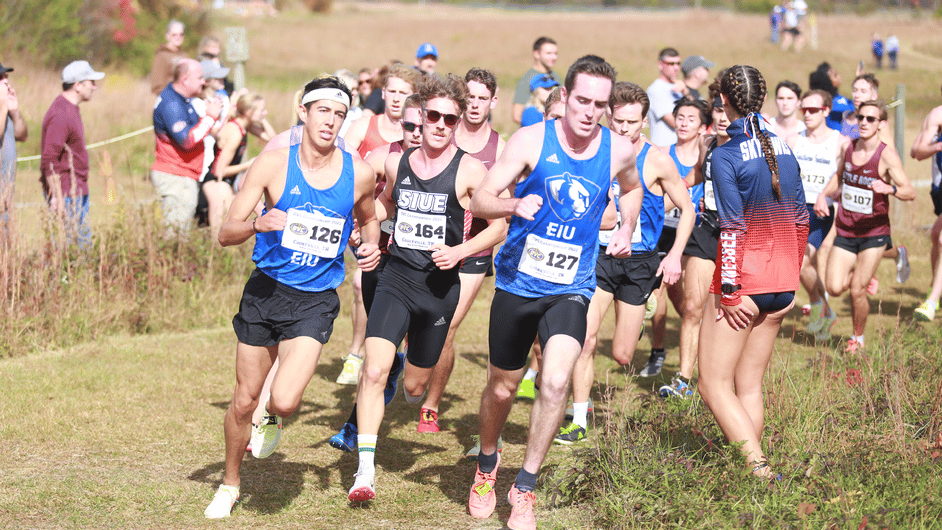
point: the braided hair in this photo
(745, 89)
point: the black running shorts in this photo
(858, 244)
(630, 279)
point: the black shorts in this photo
(666, 242)
(515, 321)
(794, 31)
(478, 265)
(858, 244)
(772, 302)
(369, 281)
(936, 194)
(703, 243)
(630, 279)
(417, 302)
(271, 312)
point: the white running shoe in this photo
(824, 329)
(351, 370)
(223, 501)
(265, 437)
(362, 489)
(815, 320)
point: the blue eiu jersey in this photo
(556, 252)
(319, 218)
(651, 218)
(695, 192)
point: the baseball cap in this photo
(426, 49)
(542, 81)
(5, 69)
(78, 71)
(693, 62)
(211, 70)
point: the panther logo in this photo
(570, 196)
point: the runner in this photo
(787, 122)
(474, 135)
(629, 281)
(370, 132)
(560, 171)
(764, 227)
(820, 152)
(428, 189)
(294, 270)
(928, 144)
(872, 171)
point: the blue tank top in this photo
(651, 219)
(308, 254)
(556, 252)
(696, 193)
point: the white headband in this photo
(332, 94)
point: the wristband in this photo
(730, 289)
(894, 190)
(253, 225)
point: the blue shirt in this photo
(308, 271)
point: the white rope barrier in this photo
(99, 144)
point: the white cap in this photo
(78, 71)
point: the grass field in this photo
(124, 431)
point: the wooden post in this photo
(237, 53)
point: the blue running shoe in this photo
(346, 439)
(393, 381)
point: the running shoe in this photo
(677, 388)
(362, 489)
(392, 382)
(814, 317)
(873, 287)
(806, 309)
(266, 435)
(650, 308)
(824, 328)
(902, 265)
(590, 412)
(853, 346)
(570, 434)
(428, 421)
(346, 439)
(482, 499)
(476, 450)
(655, 361)
(223, 501)
(527, 389)
(926, 312)
(351, 370)
(521, 515)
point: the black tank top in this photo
(427, 213)
(236, 158)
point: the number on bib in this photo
(857, 200)
(553, 261)
(419, 231)
(313, 233)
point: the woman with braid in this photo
(763, 232)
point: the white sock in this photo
(580, 412)
(531, 374)
(366, 444)
(859, 339)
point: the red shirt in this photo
(63, 149)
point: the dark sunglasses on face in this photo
(812, 110)
(410, 127)
(868, 119)
(433, 116)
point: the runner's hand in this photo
(737, 316)
(272, 220)
(528, 206)
(446, 257)
(368, 256)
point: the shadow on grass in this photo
(274, 483)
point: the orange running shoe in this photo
(873, 287)
(428, 421)
(853, 346)
(521, 515)
(482, 500)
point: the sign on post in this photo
(237, 52)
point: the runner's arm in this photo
(488, 202)
(236, 229)
(676, 191)
(923, 145)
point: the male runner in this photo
(929, 144)
(629, 281)
(311, 190)
(428, 189)
(872, 171)
(370, 132)
(475, 136)
(787, 122)
(692, 118)
(560, 172)
(820, 152)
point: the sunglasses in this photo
(812, 110)
(365, 81)
(410, 127)
(433, 116)
(671, 63)
(868, 119)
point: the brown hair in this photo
(406, 73)
(877, 104)
(823, 94)
(625, 93)
(744, 88)
(451, 87)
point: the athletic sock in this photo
(413, 400)
(659, 352)
(525, 480)
(486, 462)
(352, 420)
(580, 413)
(859, 339)
(366, 444)
(531, 374)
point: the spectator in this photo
(540, 87)
(827, 79)
(876, 46)
(426, 58)
(355, 112)
(892, 49)
(375, 104)
(166, 58)
(12, 130)
(544, 59)
(663, 94)
(210, 48)
(364, 83)
(696, 70)
(795, 11)
(213, 74)
(63, 164)
(179, 131)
